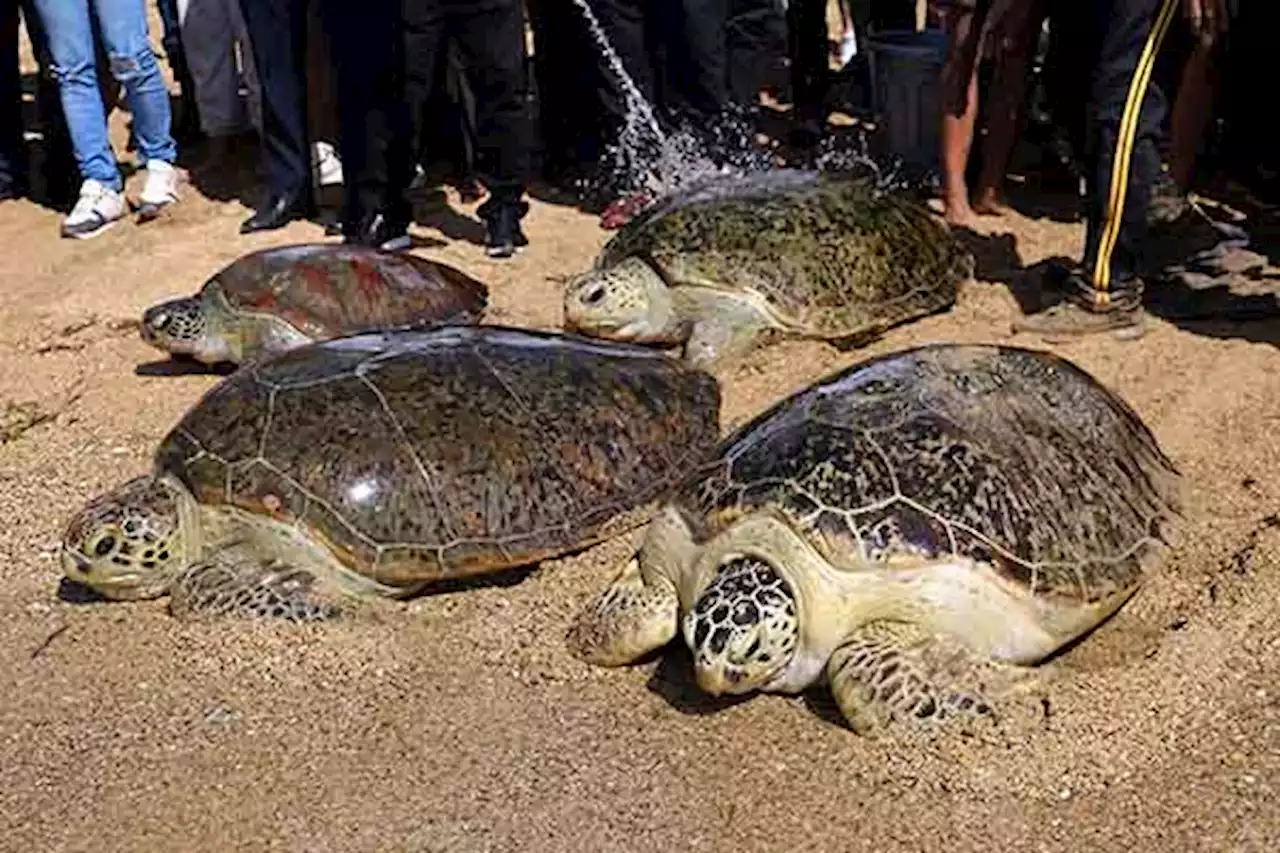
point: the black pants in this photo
(807, 46)
(490, 40)
(278, 33)
(696, 55)
(755, 38)
(581, 105)
(374, 123)
(1126, 110)
(61, 174)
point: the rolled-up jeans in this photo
(123, 27)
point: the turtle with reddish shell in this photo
(279, 298)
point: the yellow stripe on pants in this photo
(1124, 149)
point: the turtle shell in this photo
(1001, 456)
(325, 290)
(414, 455)
(828, 254)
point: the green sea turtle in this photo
(279, 298)
(918, 531)
(788, 252)
(373, 464)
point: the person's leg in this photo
(125, 36)
(70, 37)
(698, 54)
(755, 39)
(1192, 108)
(58, 170)
(1105, 294)
(207, 30)
(248, 72)
(810, 74)
(963, 22)
(12, 160)
(277, 35)
(124, 32)
(1013, 27)
(491, 44)
(423, 40)
(373, 122)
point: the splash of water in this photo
(648, 158)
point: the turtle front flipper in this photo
(717, 340)
(629, 619)
(895, 672)
(237, 582)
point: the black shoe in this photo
(502, 227)
(9, 190)
(279, 211)
(380, 232)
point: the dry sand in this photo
(460, 723)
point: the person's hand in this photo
(1208, 18)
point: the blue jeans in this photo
(122, 25)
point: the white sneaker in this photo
(326, 165)
(160, 190)
(98, 208)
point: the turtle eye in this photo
(103, 544)
(594, 295)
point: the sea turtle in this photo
(373, 464)
(791, 252)
(918, 530)
(275, 299)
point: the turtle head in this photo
(627, 302)
(180, 327)
(126, 544)
(743, 629)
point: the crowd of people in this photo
(366, 94)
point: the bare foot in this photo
(988, 203)
(958, 214)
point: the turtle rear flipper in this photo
(235, 582)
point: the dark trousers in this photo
(807, 47)
(374, 123)
(755, 38)
(580, 103)
(490, 41)
(1126, 110)
(452, 113)
(278, 32)
(12, 158)
(696, 61)
(62, 177)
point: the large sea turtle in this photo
(912, 530)
(285, 296)
(376, 463)
(810, 254)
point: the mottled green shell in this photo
(833, 256)
(417, 455)
(1008, 457)
(326, 289)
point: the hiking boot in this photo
(160, 190)
(98, 208)
(1083, 312)
(502, 227)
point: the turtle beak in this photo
(150, 323)
(75, 565)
